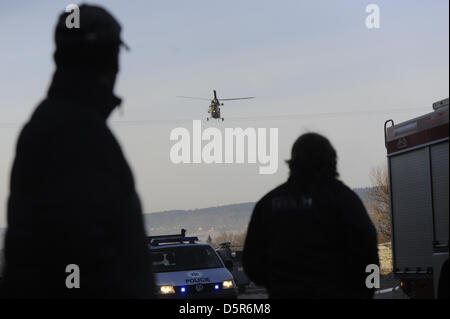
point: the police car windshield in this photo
(184, 258)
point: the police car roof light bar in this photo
(156, 242)
(181, 235)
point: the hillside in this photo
(205, 221)
(201, 222)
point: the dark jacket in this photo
(313, 244)
(73, 201)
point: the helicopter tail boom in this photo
(238, 98)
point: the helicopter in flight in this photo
(214, 107)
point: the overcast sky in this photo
(296, 57)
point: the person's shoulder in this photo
(277, 191)
(347, 195)
(340, 187)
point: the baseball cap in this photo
(97, 28)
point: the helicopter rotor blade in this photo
(238, 98)
(195, 98)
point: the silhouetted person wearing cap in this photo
(311, 237)
(72, 195)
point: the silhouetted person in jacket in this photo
(311, 237)
(72, 195)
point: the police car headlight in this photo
(227, 284)
(167, 290)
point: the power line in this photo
(329, 114)
(255, 117)
(279, 117)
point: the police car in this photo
(184, 268)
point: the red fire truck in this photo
(417, 152)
